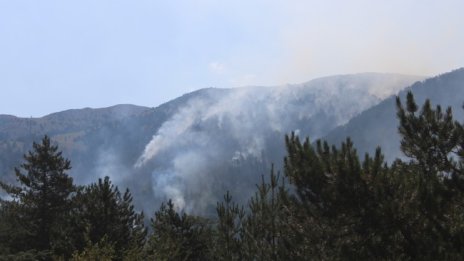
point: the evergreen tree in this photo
(229, 230)
(14, 236)
(430, 137)
(265, 233)
(342, 208)
(432, 180)
(101, 251)
(179, 236)
(106, 214)
(43, 199)
(332, 207)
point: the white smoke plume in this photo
(191, 153)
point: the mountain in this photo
(12, 127)
(194, 148)
(378, 126)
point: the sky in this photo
(58, 55)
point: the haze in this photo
(57, 55)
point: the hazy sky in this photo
(57, 55)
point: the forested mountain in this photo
(378, 126)
(197, 162)
(70, 129)
(328, 205)
(195, 147)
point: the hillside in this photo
(228, 137)
(378, 125)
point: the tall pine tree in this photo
(42, 200)
(106, 214)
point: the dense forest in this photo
(327, 204)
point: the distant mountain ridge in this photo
(377, 126)
(228, 137)
(69, 120)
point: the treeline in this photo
(328, 205)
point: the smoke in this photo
(203, 136)
(169, 132)
(108, 164)
(226, 139)
(319, 39)
(195, 148)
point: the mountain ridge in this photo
(380, 121)
(230, 135)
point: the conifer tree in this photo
(430, 137)
(265, 228)
(229, 230)
(43, 199)
(333, 209)
(433, 180)
(178, 236)
(106, 214)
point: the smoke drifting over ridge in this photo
(196, 147)
(226, 139)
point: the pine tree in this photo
(229, 230)
(433, 180)
(101, 251)
(333, 208)
(265, 227)
(179, 236)
(107, 214)
(429, 137)
(43, 199)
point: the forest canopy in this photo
(328, 203)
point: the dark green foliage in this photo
(229, 230)
(338, 207)
(431, 181)
(178, 236)
(334, 210)
(329, 205)
(39, 211)
(105, 213)
(342, 208)
(265, 228)
(47, 217)
(429, 137)
(100, 251)
(13, 234)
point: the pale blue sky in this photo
(57, 55)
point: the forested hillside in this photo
(230, 136)
(327, 204)
(378, 126)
